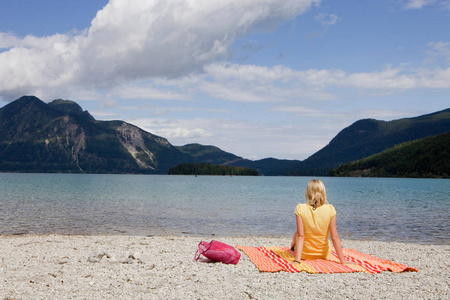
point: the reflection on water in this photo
(404, 210)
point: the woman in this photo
(315, 221)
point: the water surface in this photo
(385, 209)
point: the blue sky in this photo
(256, 78)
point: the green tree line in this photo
(210, 169)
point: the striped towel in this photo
(275, 259)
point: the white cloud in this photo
(176, 129)
(128, 42)
(250, 83)
(327, 19)
(152, 50)
(103, 114)
(384, 114)
(299, 110)
(276, 85)
(281, 86)
(255, 84)
(440, 52)
(255, 140)
(147, 91)
(417, 4)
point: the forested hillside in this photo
(61, 137)
(428, 157)
(367, 137)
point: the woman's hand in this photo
(346, 262)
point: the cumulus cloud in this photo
(168, 50)
(128, 42)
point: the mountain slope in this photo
(60, 137)
(367, 137)
(268, 166)
(68, 106)
(208, 154)
(427, 157)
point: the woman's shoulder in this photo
(303, 206)
(330, 208)
(300, 208)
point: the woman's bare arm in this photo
(299, 238)
(336, 241)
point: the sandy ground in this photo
(124, 267)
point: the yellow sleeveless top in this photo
(316, 227)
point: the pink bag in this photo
(218, 251)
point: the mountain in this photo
(427, 157)
(367, 137)
(211, 154)
(67, 106)
(268, 166)
(208, 154)
(61, 137)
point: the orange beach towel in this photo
(275, 259)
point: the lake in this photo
(383, 209)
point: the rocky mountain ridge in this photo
(39, 137)
(61, 137)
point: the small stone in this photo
(93, 259)
(108, 259)
(136, 255)
(139, 261)
(113, 260)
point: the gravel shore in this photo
(162, 267)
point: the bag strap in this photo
(198, 253)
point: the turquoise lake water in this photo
(384, 209)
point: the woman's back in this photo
(316, 226)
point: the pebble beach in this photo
(163, 267)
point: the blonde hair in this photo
(315, 193)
